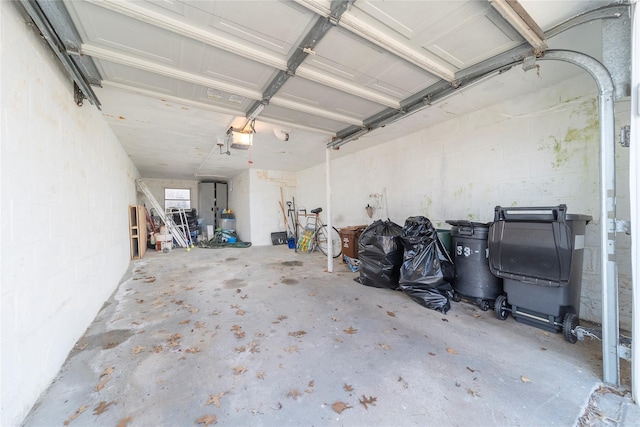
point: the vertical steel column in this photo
(329, 224)
(608, 270)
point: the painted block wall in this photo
(266, 215)
(538, 150)
(66, 185)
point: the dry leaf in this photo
(291, 349)
(240, 349)
(193, 350)
(294, 394)
(311, 383)
(281, 318)
(347, 387)
(107, 372)
(371, 401)
(239, 370)
(391, 313)
(470, 370)
(473, 392)
(452, 351)
(102, 407)
(351, 330)
(236, 306)
(215, 399)
(245, 296)
(340, 406)
(157, 348)
(241, 312)
(123, 422)
(384, 346)
(185, 322)
(138, 349)
(207, 420)
(240, 334)
(82, 347)
(297, 334)
(200, 325)
(260, 375)
(524, 379)
(236, 328)
(431, 353)
(79, 411)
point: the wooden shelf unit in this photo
(137, 231)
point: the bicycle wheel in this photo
(322, 241)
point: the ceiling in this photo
(176, 75)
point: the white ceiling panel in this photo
(177, 74)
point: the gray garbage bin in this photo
(538, 251)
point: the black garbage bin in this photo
(538, 251)
(473, 279)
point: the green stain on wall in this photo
(425, 205)
(575, 140)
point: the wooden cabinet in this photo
(137, 231)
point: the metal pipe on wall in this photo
(634, 195)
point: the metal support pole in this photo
(608, 271)
(329, 224)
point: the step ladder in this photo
(176, 232)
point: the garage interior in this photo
(440, 109)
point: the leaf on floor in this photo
(245, 296)
(524, 379)
(350, 331)
(81, 347)
(174, 340)
(543, 349)
(337, 340)
(79, 411)
(207, 420)
(368, 401)
(185, 322)
(215, 399)
(451, 351)
(139, 301)
(137, 349)
(107, 372)
(240, 349)
(294, 394)
(281, 318)
(193, 350)
(291, 349)
(470, 369)
(384, 346)
(347, 387)
(200, 325)
(241, 312)
(235, 306)
(297, 334)
(106, 376)
(190, 288)
(391, 313)
(340, 406)
(180, 302)
(123, 422)
(431, 353)
(157, 348)
(445, 320)
(312, 294)
(473, 393)
(476, 315)
(238, 291)
(239, 370)
(253, 347)
(150, 280)
(240, 334)
(236, 327)
(102, 407)
(260, 375)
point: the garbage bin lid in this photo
(464, 223)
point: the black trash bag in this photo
(380, 252)
(427, 269)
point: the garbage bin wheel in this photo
(484, 305)
(500, 307)
(569, 324)
(456, 297)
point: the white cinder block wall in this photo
(66, 184)
(266, 215)
(537, 150)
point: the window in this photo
(177, 198)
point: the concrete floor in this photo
(265, 336)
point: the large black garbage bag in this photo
(380, 252)
(427, 269)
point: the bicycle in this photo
(314, 234)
